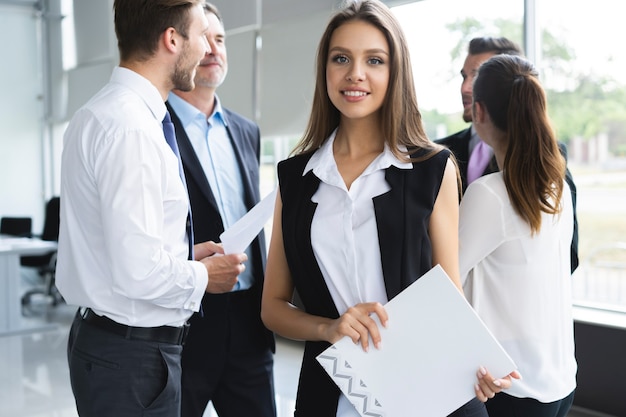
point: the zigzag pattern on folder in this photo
(344, 376)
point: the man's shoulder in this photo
(115, 107)
(239, 119)
(464, 134)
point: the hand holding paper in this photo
(488, 385)
(359, 325)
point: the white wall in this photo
(21, 116)
(278, 95)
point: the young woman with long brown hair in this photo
(366, 205)
(515, 232)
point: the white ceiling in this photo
(245, 13)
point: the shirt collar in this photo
(142, 87)
(186, 112)
(218, 112)
(322, 162)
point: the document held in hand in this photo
(431, 350)
(239, 236)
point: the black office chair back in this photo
(50, 233)
(16, 226)
(51, 221)
(45, 264)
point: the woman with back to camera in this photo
(515, 232)
(366, 205)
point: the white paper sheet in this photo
(432, 348)
(239, 236)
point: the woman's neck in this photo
(499, 151)
(354, 149)
(355, 138)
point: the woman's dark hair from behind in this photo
(534, 169)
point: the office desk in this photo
(11, 249)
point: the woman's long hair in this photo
(401, 119)
(534, 169)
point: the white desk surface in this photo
(25, 245)
(11, 249)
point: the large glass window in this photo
(583, 68)
(438, 32)
(586, 80)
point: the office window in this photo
(583, 68)
(586, 80)
(438, 32)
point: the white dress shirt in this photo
(122, 241)
(344, 234)
(520, 285)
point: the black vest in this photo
(402, 218)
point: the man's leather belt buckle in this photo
(161, 334)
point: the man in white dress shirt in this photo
(123, 254)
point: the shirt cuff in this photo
(201, 279)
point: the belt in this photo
(161, 334)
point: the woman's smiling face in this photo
(357, 71)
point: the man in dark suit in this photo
(463, 144)
(228, 355)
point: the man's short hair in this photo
(211, 8)
(140, 23)
(494, 45)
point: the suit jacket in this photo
(207, 222)
(458, 143)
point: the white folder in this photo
(430, 353)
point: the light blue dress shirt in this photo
(212, 144)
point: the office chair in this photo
(16, 226)
(45, 263)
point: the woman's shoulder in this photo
(493, 181)
(488, 188)
(433, 161)
(436, 154)
(294, 164)
(290, 171)
(426, 174)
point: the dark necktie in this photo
(170, 137)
